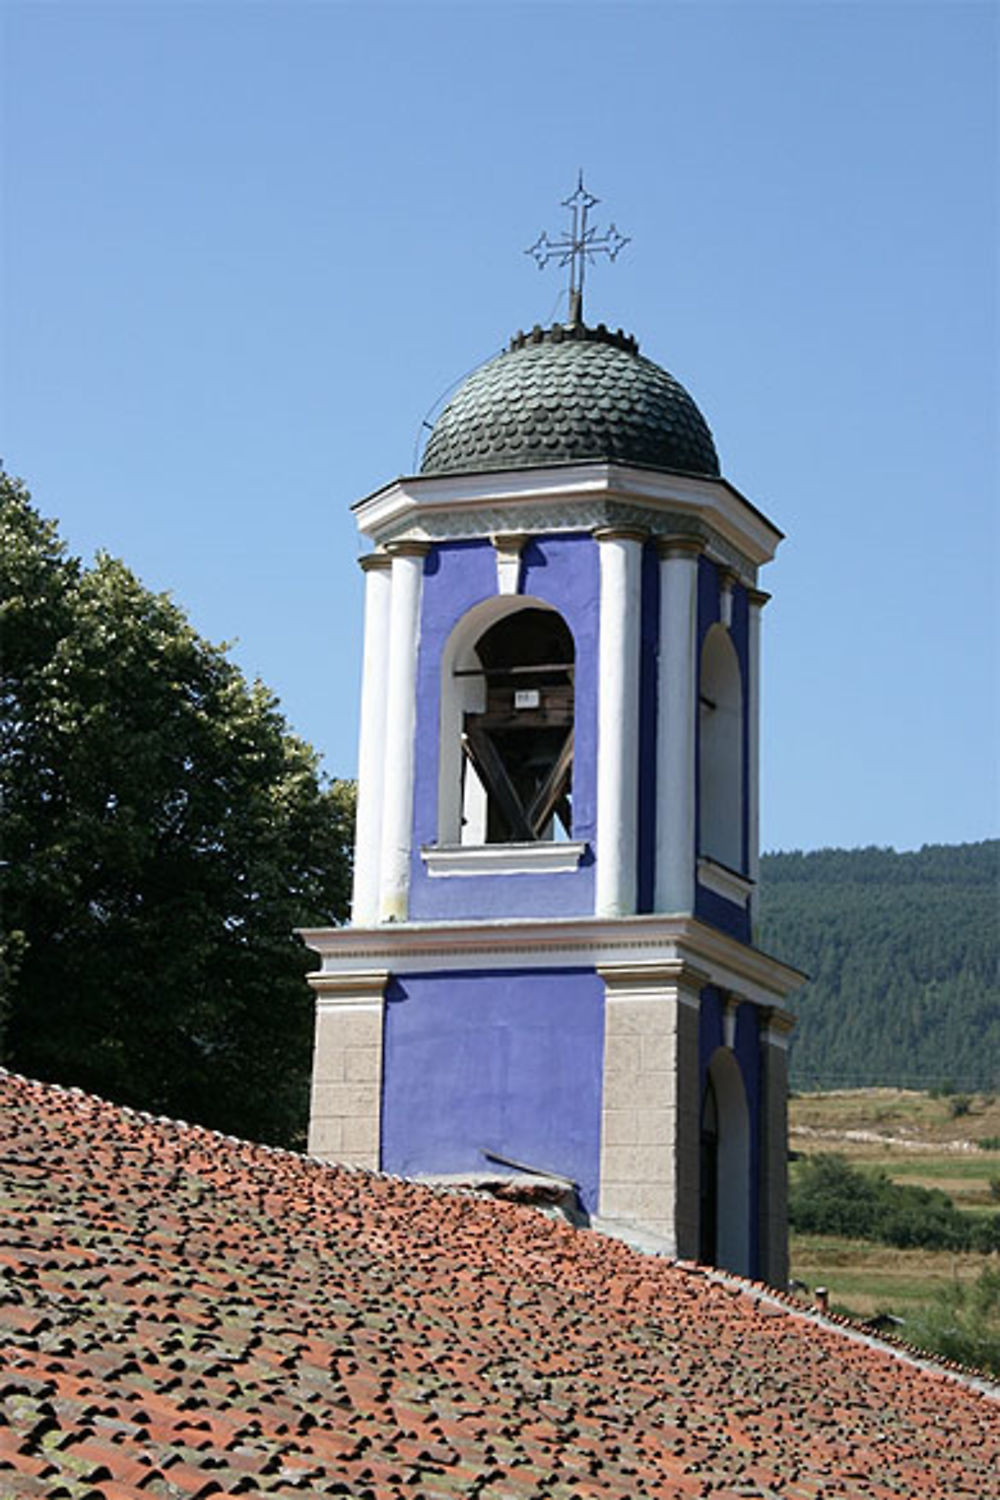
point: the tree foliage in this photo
(163, 834)
(901, 954)
(829, 1196)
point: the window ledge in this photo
(724, 881)
(502, 859)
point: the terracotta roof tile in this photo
(186, 1316)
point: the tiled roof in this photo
(562, 395)
(188, 1315)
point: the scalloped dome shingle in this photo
(565, 395)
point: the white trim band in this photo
(502, 859)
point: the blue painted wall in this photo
(747, 1053)
(506, 1060)
(563, 571)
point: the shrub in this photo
(829, 1196)
(963, 1323)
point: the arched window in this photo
(725, 1167)
(507, 726)
(720, 751)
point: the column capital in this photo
(776, 1026)
(647, 981)
(619, 534)
(680, 546)
(372, 562)
(359, 987)
(407, 547)
(757, 597)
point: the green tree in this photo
(162, 834)
(900, 950)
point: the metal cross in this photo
(580, 246)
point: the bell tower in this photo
(551, 963)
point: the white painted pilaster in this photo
(508, 553)
(757, 601)
(618, 722)
(677, 687)
(371, 753)
(400, 728)
(727, 578)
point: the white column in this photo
(757, 601)
(400, 728)
(618, 722)
(676, 717)
(371, 755)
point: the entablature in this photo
(572, 497)
(559, 942)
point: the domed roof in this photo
(569, 393)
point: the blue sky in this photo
(250, 245)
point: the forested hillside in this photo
(901, 950)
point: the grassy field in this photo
(863, 1279)
(916, 1139)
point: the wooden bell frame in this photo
(521, 745)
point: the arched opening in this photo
(507, 726)
(724, 1236)
(720, 751)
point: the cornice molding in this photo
(580, 497)
(723, 881)
(584, 942)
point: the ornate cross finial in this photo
(579, 247)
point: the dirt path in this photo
(878, 1138)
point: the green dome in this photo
(566, 394)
